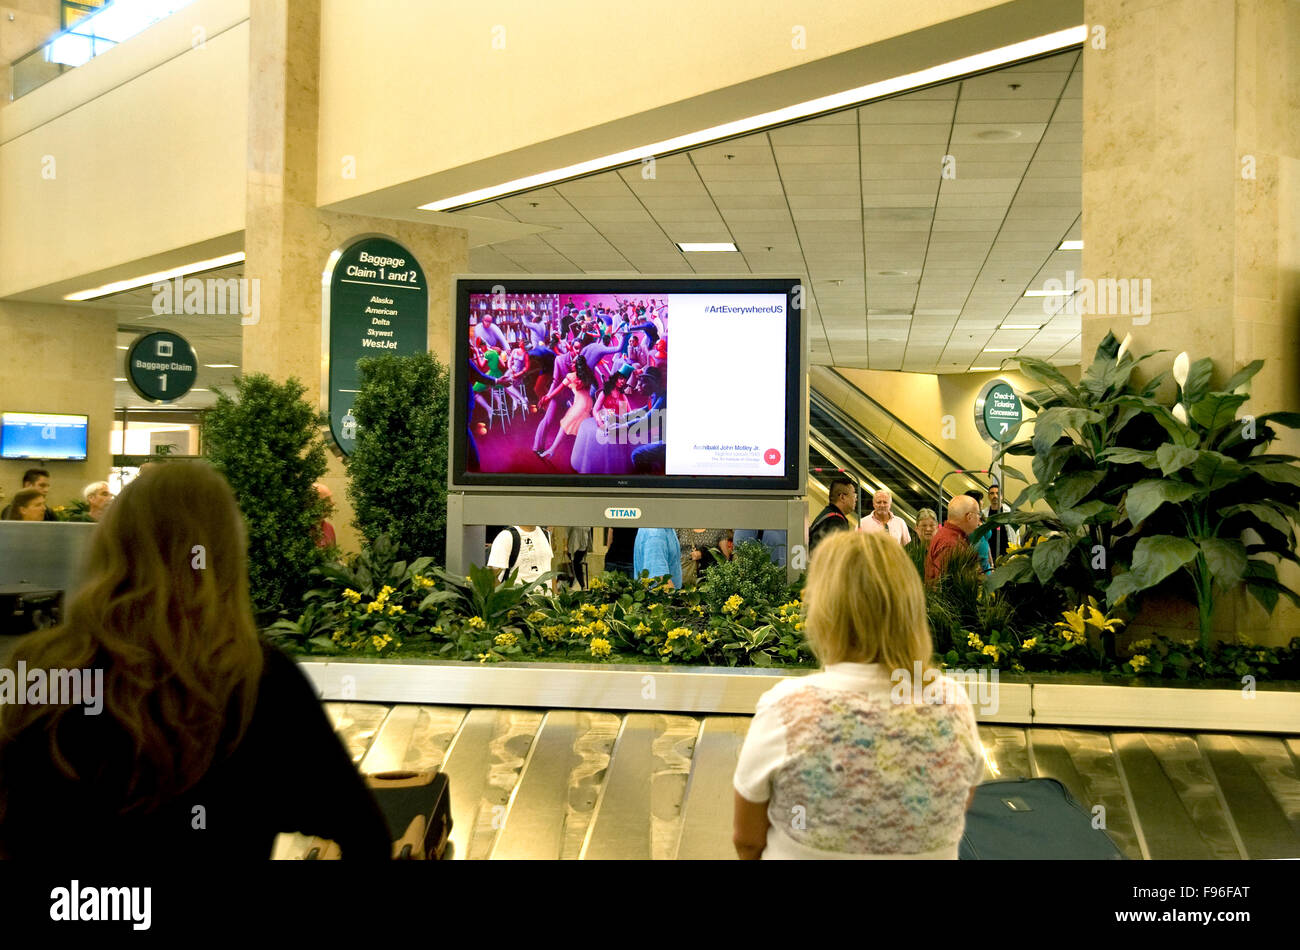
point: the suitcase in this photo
(417, 807)
(1032, 819)
(27, 607)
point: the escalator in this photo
(908, 465)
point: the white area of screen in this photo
(726, 384)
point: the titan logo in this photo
(623, 514)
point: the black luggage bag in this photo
(1032, 819)
(417, 807)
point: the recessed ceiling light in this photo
(124, 348)
(1071, 246)
(1021, 326)
(1049, 43)
(131, 283)
(119, 379)
(221, 365)
(998, 135)
(705, 247)
(985, 369)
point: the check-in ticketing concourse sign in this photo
(998, 412)
(375, 303)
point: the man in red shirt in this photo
(325, 530)
(963, 518)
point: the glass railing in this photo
(91, 36)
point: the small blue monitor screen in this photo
(43, 435)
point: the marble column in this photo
(288, 239)
(1191, 179)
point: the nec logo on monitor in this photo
(623, 514)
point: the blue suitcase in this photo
(1032, 819)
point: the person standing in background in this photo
(882, 518)
(982, 545)
(657, 551)
(579, 544)
(325, 530)
(98, 498)
(619, 543)
(1001, 536)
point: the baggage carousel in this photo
(581, 784)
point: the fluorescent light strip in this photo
(1050, 43)
(1071, 246)
(221, 365)
(985, 369)
(131, 283)
(705, 247)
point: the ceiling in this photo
(911, 266)
(914, 262)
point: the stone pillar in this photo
(288, 240)
(1191, 178)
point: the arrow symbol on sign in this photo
(1003, 429)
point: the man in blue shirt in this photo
(658, 551)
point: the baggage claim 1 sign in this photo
(998, 412)
(376, 302)
(161, 366)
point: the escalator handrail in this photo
(953, 463)
(861, 433)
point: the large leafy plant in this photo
(398, 470)
(1212, 503)
(265, 438)
(1082, 475)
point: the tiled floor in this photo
(579, 784)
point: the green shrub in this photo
(750, 575)
(266, 440)
(398, 471)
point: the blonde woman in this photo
(858, 761)
(189, 736)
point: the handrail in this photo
(884, 409)
(865, 435)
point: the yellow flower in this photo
(506, 639)
(599, 647)
(552, 632)
(352, 596)
(420, 580)
(1072, 626)
(974, 641)
(536, 616)
(702, 638)
(798, 625)
(677, 633)
(1138, 661)
(666, 650)
(395, 609)
(641, 629)
(1142, 645)
(604, 609)
(698, 609)
(1261, 656)
(374, 605)
(587, 609)
(484, 657)
(1030, 643)
(1017, 667)
(596, 583)
(338, 635)
(733, 604)
(383, 593)
(477, 623)
(992, 651)
(599, 626)
(379, 642)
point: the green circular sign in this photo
(998, 412)
(161, 366)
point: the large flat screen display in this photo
(43, 435)
(634, 383)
